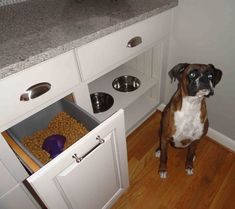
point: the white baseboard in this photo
(221, 139)
(161, 107)
(214, 135)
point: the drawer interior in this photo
(39, 122)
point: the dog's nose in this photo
(204, 83)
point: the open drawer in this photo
(84, 168)
(27, 137)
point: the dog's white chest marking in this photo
(188, 122)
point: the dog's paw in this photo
(189, 171)
(157, 153)
(163, 174)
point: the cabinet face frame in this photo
(11, 162)
(7, 180)
(43, 181)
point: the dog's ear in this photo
(217, 74)
(176, 72)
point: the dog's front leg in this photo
(163, 159)
(190, 157)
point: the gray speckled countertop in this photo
(36, 30)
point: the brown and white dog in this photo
(184, 120)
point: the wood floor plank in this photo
(224, 198)
(212, 186)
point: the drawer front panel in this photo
(42, 82)
(102, 163)
(65, 174)
(104, 54)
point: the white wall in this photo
(204, 32)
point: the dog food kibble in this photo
(62, 124)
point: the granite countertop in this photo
(36, 30)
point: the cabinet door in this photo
(17, 198)
(96, 180)
(7, 180)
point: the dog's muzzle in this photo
(205, 87)
(201, 87)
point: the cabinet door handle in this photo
(134, 42)
(35, 91)
(79, 159)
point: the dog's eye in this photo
(210, 76)
(192, 75)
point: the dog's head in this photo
(196, 79)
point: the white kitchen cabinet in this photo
(17, 198)
(7, 180)
(102, 174)
(52, 181)
(95, 179)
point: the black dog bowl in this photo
(101, 101)
(126, 83)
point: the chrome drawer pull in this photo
(79, 159)
(101, 141)
(134, 42)
(35, 91)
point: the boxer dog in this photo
(184, 120)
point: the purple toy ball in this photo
(54, 145)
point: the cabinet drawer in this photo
(53, 119)
(43, 81)
(83, 168)
(78, 171)
(104, 54)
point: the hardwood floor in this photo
(211, 187)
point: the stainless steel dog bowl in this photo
(126, 83)
(101, 101)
